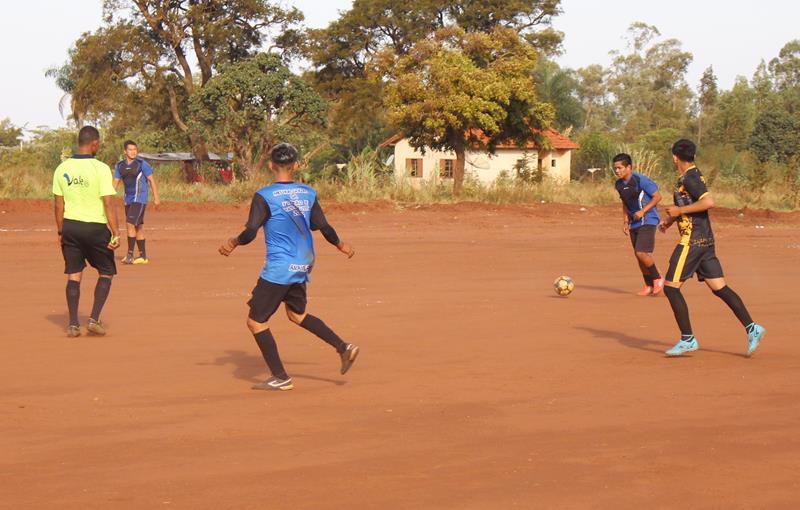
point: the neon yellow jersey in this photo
(83, 181)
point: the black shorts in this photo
(644, 238)
(268, 296)
(134, 213)
(87, 241)
(687, 260)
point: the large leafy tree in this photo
(251, 105)
(341, 54)
(649, 83)
(735, 116)
(775, 137)
(460, 90)
(560, 88)
(708, 93)
(154, 54)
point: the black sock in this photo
(73, 297)
(319, 328)
(140, 244)
(269, 349)
(131, 242)
(101, 291)
(654, 274)
(735, 303)
(648, 280)
(680, 309)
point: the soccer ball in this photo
(563, 285)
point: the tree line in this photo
(240, 75)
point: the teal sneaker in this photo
(682, 347)
(754, 338)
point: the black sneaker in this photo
(348, 357)
(96, 328)
(274, 384)
(73, 331)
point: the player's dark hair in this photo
(625, 158)
(87, 135)
(129, 142)
(283, 154)
(684, 150)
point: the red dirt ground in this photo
(477, 387)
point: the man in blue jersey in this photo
(287, 212)
(136, 174)
(639, 196)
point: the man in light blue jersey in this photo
(287, 212)
(135, 173)
(639, 196)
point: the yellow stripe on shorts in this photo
(676, 278)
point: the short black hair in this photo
(87, 135)
(129, 142)
(685, 150)
(283, 154)
(625, 158)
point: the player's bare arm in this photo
(156, 199)
(228, 246)
(59, 214)
(346, 249)
(113, 223)
(701, 205)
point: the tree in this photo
(785, 68)
(594, 96)
(251, 105)
(707, 98)
(649, 83)
(775, 137)
(735, 115)
(144, 54)
(560, 88)
(9, 133)
(342, 53)
(459, 90)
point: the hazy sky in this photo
(732, 35)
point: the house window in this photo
(553, 163)
(414, 167)
(446, 168)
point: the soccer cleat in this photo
(127, 259)
(96, 327)
(140, 261)
(754, 338)
(658, 286)
(682, 347)
(646, 291)
(73, 331)
(274, 384)
(349, 355)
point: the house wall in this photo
(483, 166)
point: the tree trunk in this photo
(458, 171)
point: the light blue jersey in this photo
(287, 232)
(134, 176)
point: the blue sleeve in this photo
(147, 170)
(116, 171)
(649, 187)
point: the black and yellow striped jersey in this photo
(695, 228)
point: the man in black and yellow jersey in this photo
(87, 226)
(695, 252)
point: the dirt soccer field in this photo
(476, 388)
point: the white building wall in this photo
(481, 165)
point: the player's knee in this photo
(256, 327)
(295, 317)
(671, 290)
(642, 255)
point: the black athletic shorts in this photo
(134, 213)
(268, 296)
(644, 238)
(87, 242)
(687, 260)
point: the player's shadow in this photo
(251, 368)
(641, 343)
(62, 320)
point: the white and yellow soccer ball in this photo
(564, 285)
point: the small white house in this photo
(435, 165)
